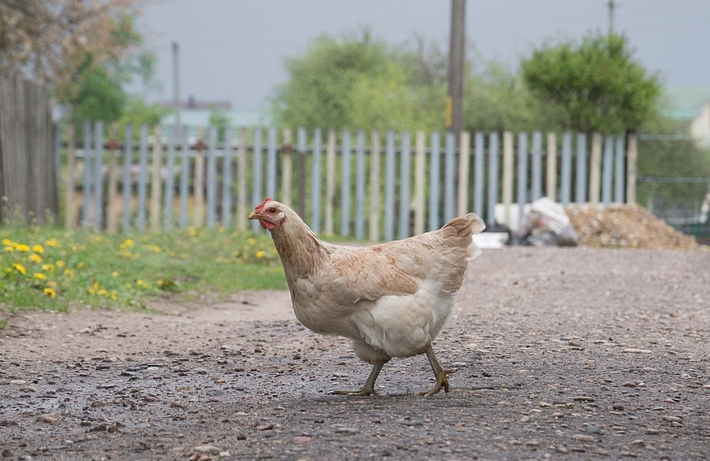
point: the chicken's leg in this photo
(439, 372)
(369, 387)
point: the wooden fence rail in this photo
(392, 186)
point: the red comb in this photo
(261, 206)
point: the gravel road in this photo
(569, 354)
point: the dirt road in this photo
(561, 354)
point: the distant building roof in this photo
(686, 102)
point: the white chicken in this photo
(390, 299)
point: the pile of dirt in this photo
(625, 226)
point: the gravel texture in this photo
(570, 354)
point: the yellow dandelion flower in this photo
(260, 254)
(102, 292)
(38, 249)
(7, 242)
(222, 229)
(61, 263)
(52, 283)
(192, 232)
(50, 292)
(40, 276)
(113, 295)
(20, 268)
(154, 248)
(69, 273)
(22, 247)
(48, 267)
(115, 274)
(251, 241)
(51, 242)
(80, 265)
(35, 258)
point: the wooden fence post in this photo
(631, 156)
(551, 174)
(156, 186)
(359, 186)
(507, 177)
(464, 168)
(345, 186)
(405, 184)
(375, 187)
(595, 170)
(112, 208)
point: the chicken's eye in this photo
(272, 210)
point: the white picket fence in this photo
(365, 186)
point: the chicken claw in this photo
(440, 374)
(369, 387)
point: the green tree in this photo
(596, 83)
(320, 83)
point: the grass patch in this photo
(52, 269)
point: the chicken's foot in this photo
(439, 372)
(369, 387)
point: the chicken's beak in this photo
(254, 215)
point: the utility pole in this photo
(454, 99)
(611, 17)
(176, 92)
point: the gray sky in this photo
(234, 49)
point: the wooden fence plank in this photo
(631, 155)
(360, 186)
(551, 171)
(98, 175)
(405, 184)
(620, 171)
(581, 181)
(169, 194)
(375, 186)
(199, 179)
(156, 186)
(478, 174)
(271, 164)
(330, 183)
(595, 170)
(316, 181)
(390, 175)
(507, 194)
(536, 172)
(607, 167)
(301, 140)
(86, 189)
(126, 184)
(185, 161)
(493, 153)
(258, 193)
(227, 160)
(419, 181)
(242, 165)
(434, 181)
(69, 210)
(345, 186)
(522, 177)
(566, 175)
(464, 172)
(450, 177)
(287, 167)
(211, 176)
(112, 207)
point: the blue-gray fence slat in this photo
(316, 181)
(360, 186)
(345, 187)
(98, 174)
(449, 177)
(522, 174)
(389, 186)
(494, 156)
(405, 187)
(263, 160)
(478, 174)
